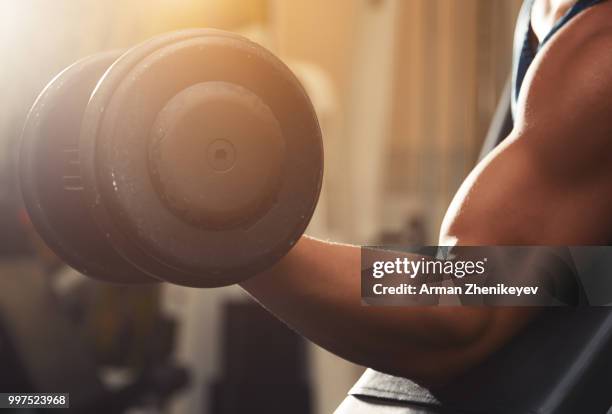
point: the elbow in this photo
(468, 342)
(463, 338)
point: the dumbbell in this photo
(193, 158)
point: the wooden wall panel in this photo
(452, 60)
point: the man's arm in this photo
(316, 289)
(548, 183)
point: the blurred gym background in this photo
(404, 90)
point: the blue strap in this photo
(579, 6)
(523, 52)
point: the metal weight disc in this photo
(204, 157)
(50, 177)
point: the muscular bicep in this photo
(550, 181)
(518, 196)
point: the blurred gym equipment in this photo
(41, 351)
(193, 158)
(263, 362)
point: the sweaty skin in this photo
(548, 183)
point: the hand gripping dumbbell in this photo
(193, 158)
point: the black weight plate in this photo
(117, 128)
(50, 175)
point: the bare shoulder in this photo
(566, 98)
(574, 66)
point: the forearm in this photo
(316, 290)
